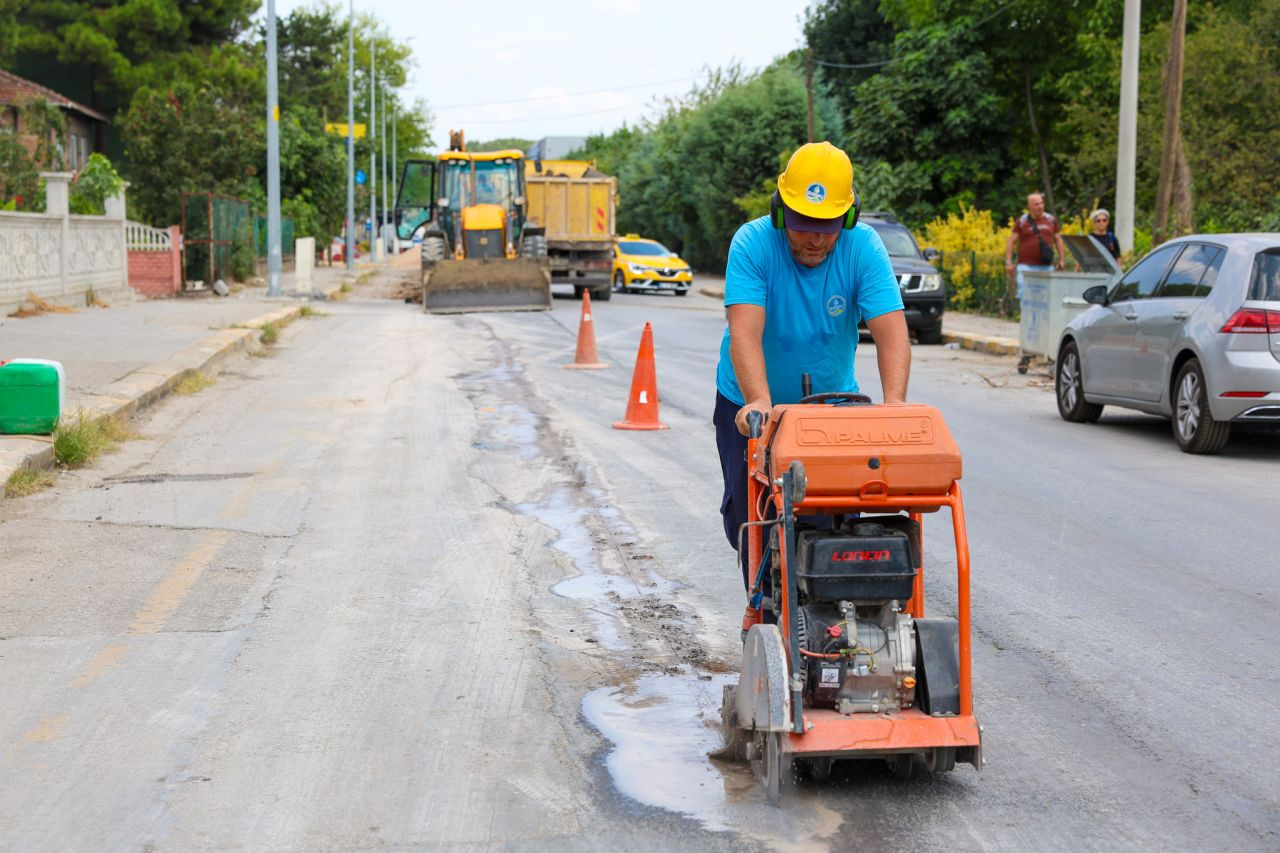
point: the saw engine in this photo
(859, 649)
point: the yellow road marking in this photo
(166, 597)
(48, 730)
(105, 660)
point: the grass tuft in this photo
(24, 482)
(270, 334)
(194, 382)
(38, 307)
(79, 442)
(308, 312)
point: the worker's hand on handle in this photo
(762, 407)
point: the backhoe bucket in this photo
(487, 284)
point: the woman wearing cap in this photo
(797, 284)
(1102, 231)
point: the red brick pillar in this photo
(175, 250)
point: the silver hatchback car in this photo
(1191, 332)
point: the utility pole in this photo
(273, 159)
(395, 174)
(1169, 153)
(373, 151)
(351, 135)
(1127, 147)
(386, 245)
(808, 87)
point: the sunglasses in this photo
(1100, 219)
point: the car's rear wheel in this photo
(1069, 387)
(1193, 425)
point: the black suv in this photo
(923, 294)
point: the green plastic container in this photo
(32, 392)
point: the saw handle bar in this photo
(837, 398)
(755, 424)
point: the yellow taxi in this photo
(641, 264)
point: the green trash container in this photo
(32, 392)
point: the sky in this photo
(564, 68)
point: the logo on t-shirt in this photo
(815, 193)
(835, 306)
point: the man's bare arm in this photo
(893, 354)
(746, 327)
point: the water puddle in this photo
(662, 727)
(502, 425)
(585, 533)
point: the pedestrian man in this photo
(797, 284)
(1102, 232)
(1035, 235)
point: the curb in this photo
(141, 388)
(982, 343)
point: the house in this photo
(85, 127)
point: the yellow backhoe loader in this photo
(478, 251)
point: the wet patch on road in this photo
(661, 728)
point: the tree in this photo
(927, 130)
(100, 52)
(847, 33)
(189, 138)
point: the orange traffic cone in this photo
(642, 402)
(586, 358)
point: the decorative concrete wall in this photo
(59, 257)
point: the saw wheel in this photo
(774, 767)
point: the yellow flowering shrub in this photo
(972, 247)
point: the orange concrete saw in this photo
(839, 660)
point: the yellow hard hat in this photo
(818, 181)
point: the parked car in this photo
(924, 296)
(641, 264)
(1191, 332)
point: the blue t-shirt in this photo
(812, 313)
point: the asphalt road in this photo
(402, 586)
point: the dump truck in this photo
(574, 205)
(479, 251)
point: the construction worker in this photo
(797, 285)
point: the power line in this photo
(548, 118)
(566, 95)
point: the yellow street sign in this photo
(341, 129)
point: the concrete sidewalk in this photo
(123, 358)
(970, 331)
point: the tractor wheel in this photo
(534, 246)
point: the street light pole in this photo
(351, 135)
(385, 244)
(373, 151)
(395, 173)
(1127, 145)
(273, 159)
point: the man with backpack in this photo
(1035, 234)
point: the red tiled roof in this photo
(12, 86)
